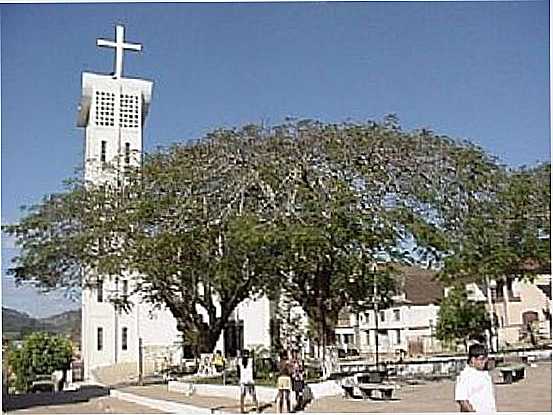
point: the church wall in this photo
(157, 327)
(256, 315)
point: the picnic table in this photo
(385, 390)
(513, 372)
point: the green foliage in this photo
(303, 207)
(41, 354)
(461, 319)
(507, 234)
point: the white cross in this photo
(120, 47)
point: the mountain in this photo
(62, 322)
(16, 324)
(14, 321)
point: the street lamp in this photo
(493, 328)
(375, 308)
(356, 306)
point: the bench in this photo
(385, 390)
(371, 377)
(512, 373)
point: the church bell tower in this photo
(112, 111)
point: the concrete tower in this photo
(112, 111)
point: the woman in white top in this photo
(246, 371)
(474, 387)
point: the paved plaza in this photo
(102, 405)
(532, 394)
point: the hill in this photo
(16, 324)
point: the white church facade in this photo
(112, 112)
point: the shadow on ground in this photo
(28, 400)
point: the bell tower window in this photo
(103, 149)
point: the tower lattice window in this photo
(105, 108)
(129, 112)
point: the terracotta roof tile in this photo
(420, 286)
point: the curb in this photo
(161, 405)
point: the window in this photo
(382, 316)
(398, 336)
(100, 339)
(124, 334)
(125, 287)
(129, 111)
(348, 338)
(396, 315)
(103, 151)
(127, 153)
(100, 291)
(105, 108)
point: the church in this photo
(112, 110)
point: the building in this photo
(112, 111)
(521, 308)
(407, 327)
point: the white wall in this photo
(414, 321)
(256, 315)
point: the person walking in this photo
(220, 363)
(474, 390)
(284, 382)
(297, 379)
(246, 371)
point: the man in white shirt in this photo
(474, 387)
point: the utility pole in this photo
(375, 308)
(140, 362)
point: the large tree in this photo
(507, 234)
(303, 206)
(353, 195)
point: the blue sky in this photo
(470, 70)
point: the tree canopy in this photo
(305, 206)
(506, 235)
(41, 354)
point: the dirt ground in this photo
(532, 394)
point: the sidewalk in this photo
(195, 403)
(159, 403)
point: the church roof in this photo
(419, 286)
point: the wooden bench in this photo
(512, 373)
(385, 390)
